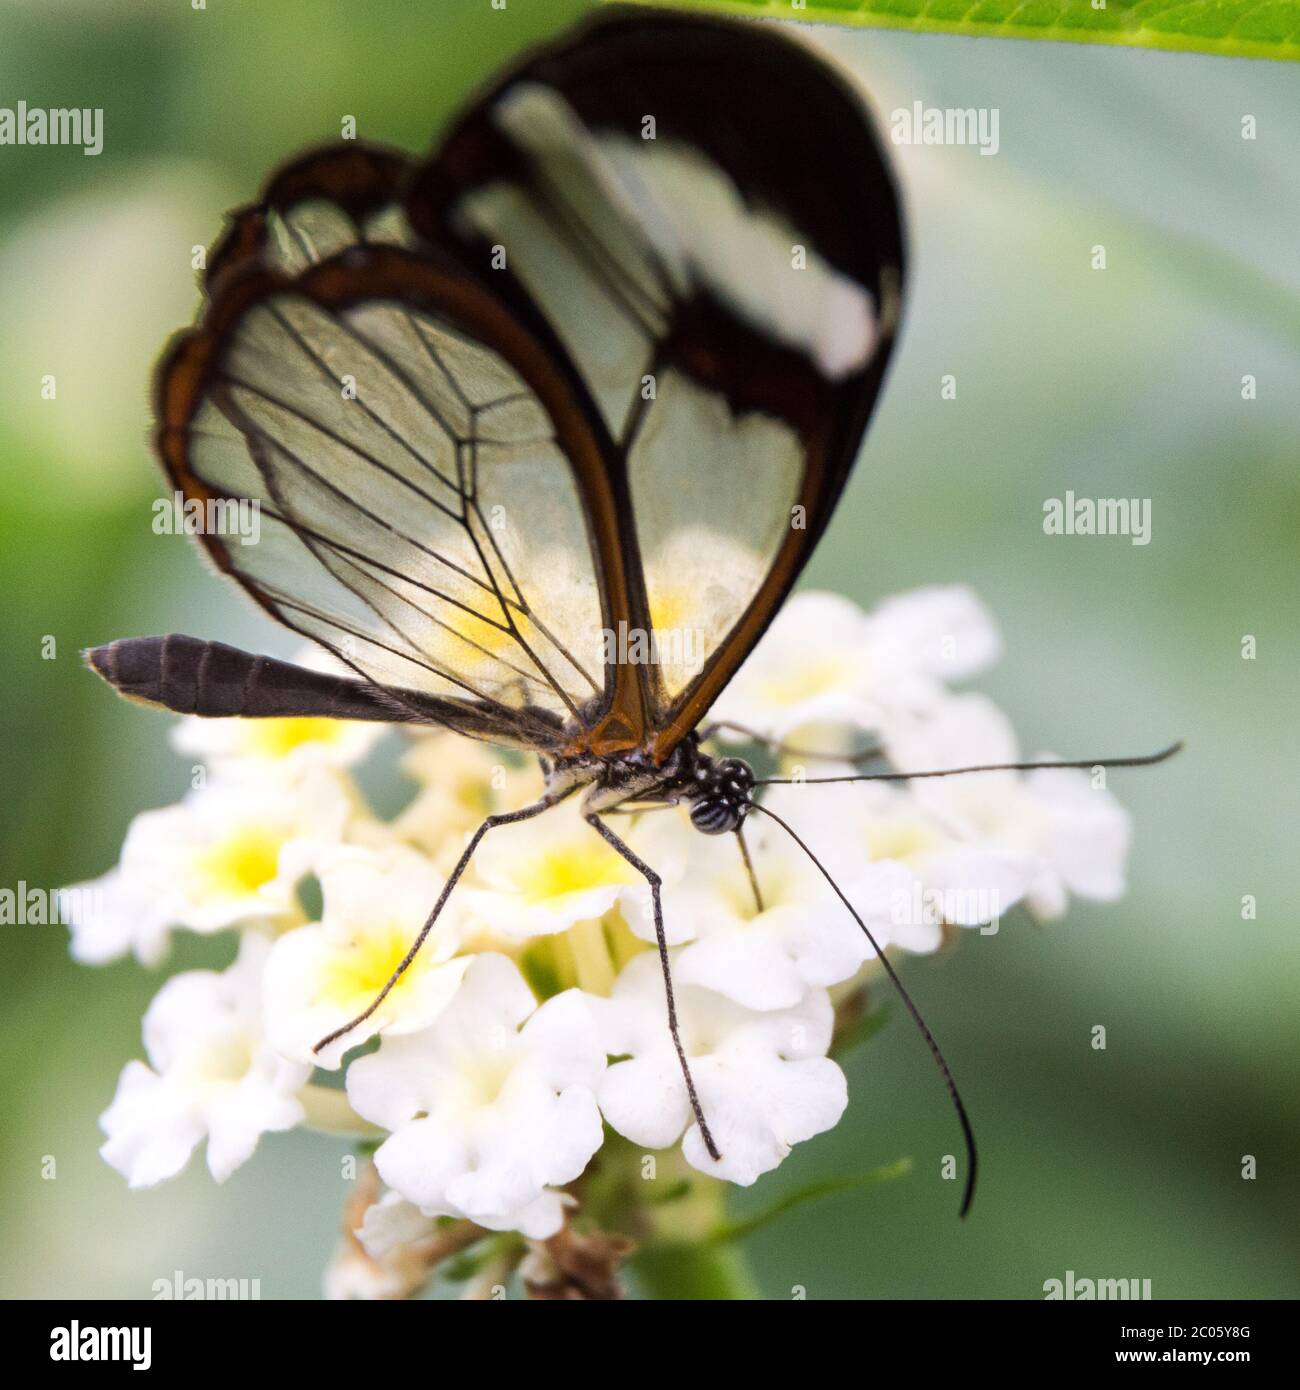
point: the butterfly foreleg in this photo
(656, 884)
(544, 803)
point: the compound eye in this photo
(735, 772)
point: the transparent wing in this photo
(697, 219)
(410, 455)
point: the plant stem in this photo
(677, 1256)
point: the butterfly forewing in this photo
(698, 220)
(421, 514)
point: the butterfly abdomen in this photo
(191, 676)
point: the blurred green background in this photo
(1127, 382)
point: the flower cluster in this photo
(532, 1023)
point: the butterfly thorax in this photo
(718, 791)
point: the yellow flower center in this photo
(277, 738)
(237, 867)
(570, 868)
(805, 680)
(485, 1077)
(774, 884)
(231, 1061)
(899, 840)
(473, 795)
(365, 966)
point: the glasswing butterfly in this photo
(599, 366)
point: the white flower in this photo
(392, 1223)
(825, 668)
(492, 1107)
(322, 975)
(1083, 835)
(244, 747)
(762, 959)
(461, 782)
(353, 1274)
(941, 631)
(547, 874)
(230, 852)
(1073, 836)
(381, 1258)
(905, 868)
(211, 1074)
(116, 915)
(763, 1079)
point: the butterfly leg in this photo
(504, 818)
(656, 883)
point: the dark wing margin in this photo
(704, 204)
(376, 536)
(314, 207)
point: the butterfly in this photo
(543, 429)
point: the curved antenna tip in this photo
(968, 1197)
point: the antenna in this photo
(1147, 761)
(972, 1160)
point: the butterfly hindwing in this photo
(314, 207)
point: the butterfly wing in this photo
(424, 482)
(696, 219)
(598, 369)
(314, 207)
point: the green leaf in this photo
(1229, 28)
(732, 1231)
(676, 1193)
